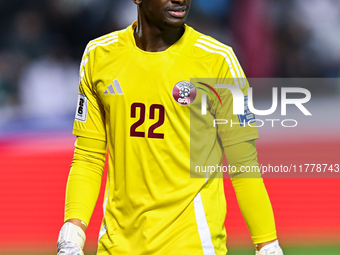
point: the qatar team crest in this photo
(184, 92)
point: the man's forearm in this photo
(251, 194)
(84, 180)
(256, 208)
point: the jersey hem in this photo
(88, 134)
(233, 141)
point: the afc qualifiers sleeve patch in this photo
(248, 117)
(81, 112)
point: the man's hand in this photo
(270, 249)
(71, 240)
(69, 248)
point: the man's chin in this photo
(177, 24)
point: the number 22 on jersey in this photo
(141, 119)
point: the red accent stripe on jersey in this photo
(212, 89)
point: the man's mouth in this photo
(180, 13)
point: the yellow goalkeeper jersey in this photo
(158, 121)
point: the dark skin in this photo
(160, 25)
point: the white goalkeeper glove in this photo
(270, 249)
(71, 240)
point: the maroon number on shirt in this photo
(141, 120)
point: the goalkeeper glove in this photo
(71, 240)
(270, 249)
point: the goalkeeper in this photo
(129, 101)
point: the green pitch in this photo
(321, 250)
(314, 250)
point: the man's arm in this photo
(84, 179)
(82, 192)
(251, 194)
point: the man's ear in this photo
(138, 2)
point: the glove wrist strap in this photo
(72, 233)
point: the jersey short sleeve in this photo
(90, 116)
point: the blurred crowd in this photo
(41, 44)
(42, 41)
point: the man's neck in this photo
(154, 39)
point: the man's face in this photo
(170, 13)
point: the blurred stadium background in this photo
(41, 44)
